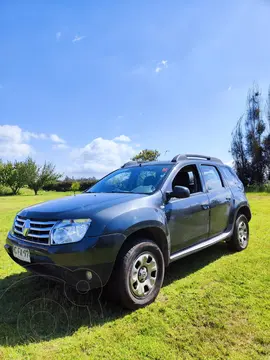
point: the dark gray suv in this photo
(130, 225)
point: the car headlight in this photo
(69, 231)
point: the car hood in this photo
(79, 206)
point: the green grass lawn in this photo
(213, 305)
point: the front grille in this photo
(39, 230)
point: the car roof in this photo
(187, 158)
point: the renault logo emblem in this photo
(26, 227)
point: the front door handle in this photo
(205, 206)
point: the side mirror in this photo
(180, 192)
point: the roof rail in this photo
(195, 156)
(131, 163)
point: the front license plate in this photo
(21, 253)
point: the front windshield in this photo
(138, 180)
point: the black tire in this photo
(138, 262)
(240, 238)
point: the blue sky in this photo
(172, 75)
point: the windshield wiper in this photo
(119, 192)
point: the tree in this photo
(266, 144)
(1, 172)
(40, 176)
(75, 186)
(249, 146)
(146, 155)
(14, 175)
(238, 152)
(266, 141)
(255, 128)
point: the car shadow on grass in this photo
(34, 309)
(192, 263)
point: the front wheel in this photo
(139, 274)
(240, 237)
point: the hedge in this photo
(65, 185)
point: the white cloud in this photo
(122, 138)
(27, 135)
(100, 157)
(78, 38)
(57, 139)
(14, 150)
(58, 35)
(230, 88)
(14, 141)
(60, 146)
(137, 145)
(163, 64)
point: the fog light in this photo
(82, 287)
(89, 275)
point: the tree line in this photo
(21, 173)
(18, 174)
(71, 184)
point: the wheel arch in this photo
(154, 233)
(244, 210)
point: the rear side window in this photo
(211, 177)
(231, 177)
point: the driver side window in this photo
(189, 177)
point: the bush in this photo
(259, 188)
(5, 190)
(65, 185)
(86, 184)
(75, 186)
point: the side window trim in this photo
(204, 189)
(191, 195)
(223, 177)
(197, 193)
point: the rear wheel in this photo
(139, 274)
(240, 238)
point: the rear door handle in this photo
(205, 206)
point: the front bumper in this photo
(71, 263)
